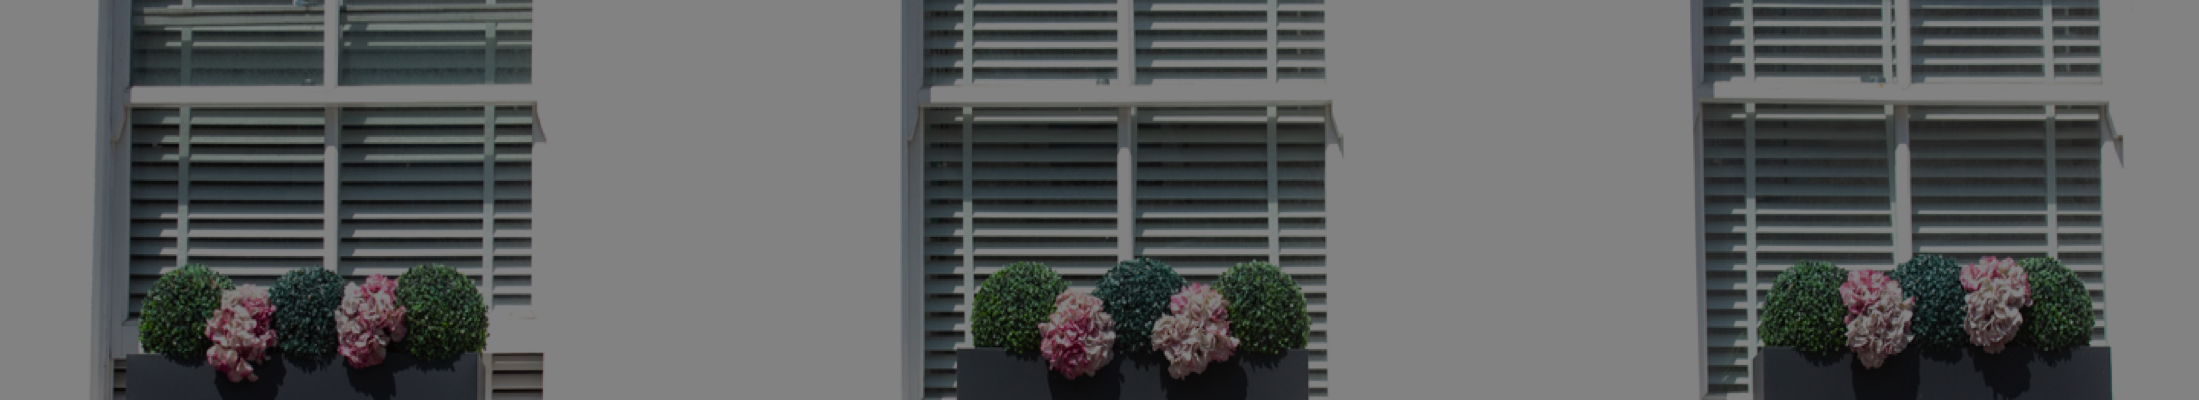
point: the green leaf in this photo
(1803, 309)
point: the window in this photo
(1947, 41)
(256, 192)
(1198, 188)
(1140, 42)
(375, 42)
(1789, 182)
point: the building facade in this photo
(791, 199)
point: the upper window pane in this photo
(225, 43)
(435, 42)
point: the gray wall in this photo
(719, 199)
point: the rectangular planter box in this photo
(995, 374)
(1783, 373)
(399, 376)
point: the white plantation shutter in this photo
(2013, 181)
(2006, 40)
(236, 189)
(1792, 182)
(1862, 40)
(1099, 42)
(255, 42)
(429, 186)
(244, 191)
(1785, 183)
(401, 43)
(1048, 185)
(1798, 40)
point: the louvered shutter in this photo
(2016, 181)
(444, 186)
(1832, 41)
(1090, 42)
(1003, 185)
(397, 42)
(1784, 183)
(2006, 40)
(236, 42)
(236, 189)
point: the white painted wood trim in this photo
(337, 95)
(1904, 211)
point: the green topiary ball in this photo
(1934, 281)
(1803, 310)
(2060, 315)
(1011, 303)
(305, 308)
(444, 314)
(1267, 310)
(1136, 294)
(173, 321)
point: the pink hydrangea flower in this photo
(242, 329)
(1878, 316)
(368, 320)
(1195, 332)
(1999, 289)
(1078, 338)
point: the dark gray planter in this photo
(1783, 373)
(400, 376)
(996, 374)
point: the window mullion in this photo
(1274, 205)
(331, 38)
(2053, 190)
(488, 71)
(1126, 179)
(1904, 206)
(1273, 41)
(1126, 43)
(1748, 163)
(1904, 47)
(1748, 40)
(183, 187)
(969, 224)
(488, 206)
(331, 187)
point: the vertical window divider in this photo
(1748, 164)
(1748, 40)
(183, 188)
(488, 72)
(2053, 183)
(331, 38)
(2046, 47)
(1274, 198)
(1126, 44)
(1126, 181)
(1274, 20)
(1904, 46)
(1904, 211)
(1886, 51)
(331, 187)
(488, 202)
(969, 239)
(969, 71)
(184, 70)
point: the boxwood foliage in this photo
(1136, 294)
(2060, 315)
(1803, 310)
(1934, 281)
(1011, 303)
(444, 315)
(305, 308)
(1267, 310)
(174, 318)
